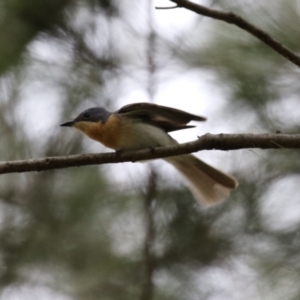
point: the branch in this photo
(205, 142)
(166, 7)
(232, 18)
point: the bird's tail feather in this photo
(208, 185)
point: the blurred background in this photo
(134, 231)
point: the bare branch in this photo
(166, 7)
(232, 18)
(205, 142)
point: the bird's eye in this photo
(86, 115)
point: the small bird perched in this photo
(143, 125)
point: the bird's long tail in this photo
(208, 185)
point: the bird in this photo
(147, 125)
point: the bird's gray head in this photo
(94, 115)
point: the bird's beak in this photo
(68, 124)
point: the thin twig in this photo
(237, 20)
(166, 7)
(205, 142)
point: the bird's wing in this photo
(166, 118)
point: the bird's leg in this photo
(119, 152)
(152, 149)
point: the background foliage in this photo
(133, 232)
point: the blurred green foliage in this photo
(80, 234)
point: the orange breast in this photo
(107, 134)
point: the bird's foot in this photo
(119, 152)
(152, 149)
